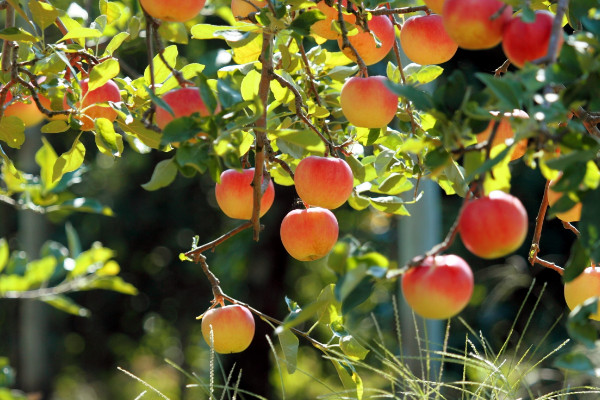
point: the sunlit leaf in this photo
(67, 305)
(289, 346)
(164, 173)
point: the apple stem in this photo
(502, 69)
(535, 245)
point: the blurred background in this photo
(63, 357)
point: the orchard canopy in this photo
(355, 103)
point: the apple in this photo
(235, 194)
(572, 215)
(232, 328)
(493, 226)
(583, 287)
(241, 8)
(173, 10)
(437, 6)
(537, 34)
(367, 102)
(26, 110)
(425, 41)
(87, 108)
(370, 51)
(309, 234)
(323, 181)
(504, 132)
(323, 28)
(469, 22)
(439, 287)
(183, 102)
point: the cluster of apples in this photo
(475, 25)
(491, 226)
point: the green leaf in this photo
(114, 283)
(82, 204)
(352, 348)
(297, 143)
(389, 204)
(67, 305)
(164, 174)
(579, 260)
(108, 141)
(338, 256)
(4, 254)
(296, 318)
(175, 32)
(116, 42)
(358, 295)
(147, 136)
(43, 14)
(289, 345)
(13, 283)
(589, 227)
(103, 72)
(179, 130)
(161, 71)
(55, 127)
(422, 74)
(90, 261)
(73, 240)
(421, 99)
(12, 131)
(46, 158)
(302, 23)
(503, 89)
(69, 161)
(81, 33)
(580, 326)
(576, 362)
(39, 271)
(15, 4)
(207, 31)
(17, 35)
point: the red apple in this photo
(102, 95)
(323, 182)
(572, 215)
(232, 328)
(26, 110)
(322, 27)
(469, 22)
(528, 41)
(235, 194)
(493, 226)
(504, 132)
(183, 102)
(425, 41)
(370, 51)
(173, 10)
(585, 286)
(309, 234)
(241, 8)
(367, 102)
(439, 287)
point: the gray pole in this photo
(417, 234)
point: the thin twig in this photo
(569, 226)
(346, 42)
(196, 252)
(502, 69)
(395, 11)
(7, 46)
(552, 54)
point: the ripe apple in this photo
(323, 181)
(365, 45)
(437, 6)
(309, 234)
(572, 215)
(439, 287)
(235, 194)
(425, 41)
(504, 132)
(322, 27)
(583, 287)
(232, 328)
(538, 35)
(26, 110)
(469, 22)
(88, 111)
(183, 102)
(241, 8)
(367, 102)
(173, 10)
(493, 226)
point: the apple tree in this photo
(320, 96)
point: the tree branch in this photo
(552, 54)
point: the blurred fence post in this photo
(417, 234)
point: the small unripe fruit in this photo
(585, 286)
(323, 182)
(309, 234)
(439, 287)
(493, 226)
(232, 328)
(235, 194)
